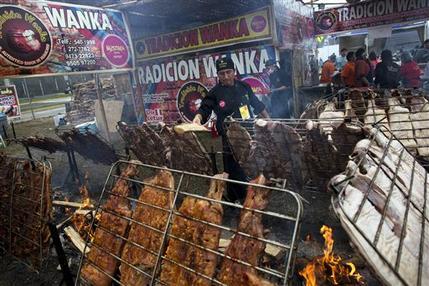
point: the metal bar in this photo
(74, 164)
(62, 259)
(404, 225)
(29, 98)
(164, 236)
(422, 238)
(366, 194)
(383, 216)
(96, 210)
(25, 238)
(70, 163)
(13, 129)
(294, 245)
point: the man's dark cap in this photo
(224, 64)
(270, 62)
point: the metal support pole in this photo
(29, 98)
(100, 100)
(62, 259)
(133, 86)
(41, 87)
(13, 129)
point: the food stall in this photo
(176, 70)
(375, 25)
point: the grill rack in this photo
(20, 234)
(389, 269)
(381, 98)
(284, 236)
(327, 157)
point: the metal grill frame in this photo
(299, 126)
(336, 202)
(42, 250)
(339, 100)
(290, 248)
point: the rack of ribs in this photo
(102, 265)
(150, 240)
(200, 260)
(245, 248)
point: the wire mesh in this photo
(404, 112)
(306, 152)
(382, 204)
(25, 208)
(165, 235)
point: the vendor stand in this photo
(176, 70)
(375, 25)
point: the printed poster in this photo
(42, 38)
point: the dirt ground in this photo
(317, 212)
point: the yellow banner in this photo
(247, 28)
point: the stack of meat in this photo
(243, 248)
(101, 263)
(329, 141)
(204, 235)
(181, 149)
(87, 144)
(167, 148)
(275, 150)
(90, 146)
(25, 193)
(82, 108)
(149, 222)
(383, 207)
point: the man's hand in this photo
(197, 119)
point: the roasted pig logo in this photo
(189, 99)
(24, 39)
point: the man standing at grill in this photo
(230, 97)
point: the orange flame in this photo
(330, 268)
(81, 222)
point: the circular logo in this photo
(115, 50)
(222, 103)
(258, 23)
(325, 21)
(24, 39)
(189, 99)
(259, 87)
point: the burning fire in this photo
(82, 221)
(330, 268)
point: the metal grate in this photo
(307, 156)
(281, 222)
(404, 111)
(25, 208)
(382, 204)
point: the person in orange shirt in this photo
(328, 70)
(348, 73)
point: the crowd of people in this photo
(355, 69)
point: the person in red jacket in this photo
(410, 71)
(362, 68)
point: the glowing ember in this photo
(330, 269)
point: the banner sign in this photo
(9, 102)
(248, 28)
(41, 37)
(295, 27)
(370, 13)
(173, 87)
